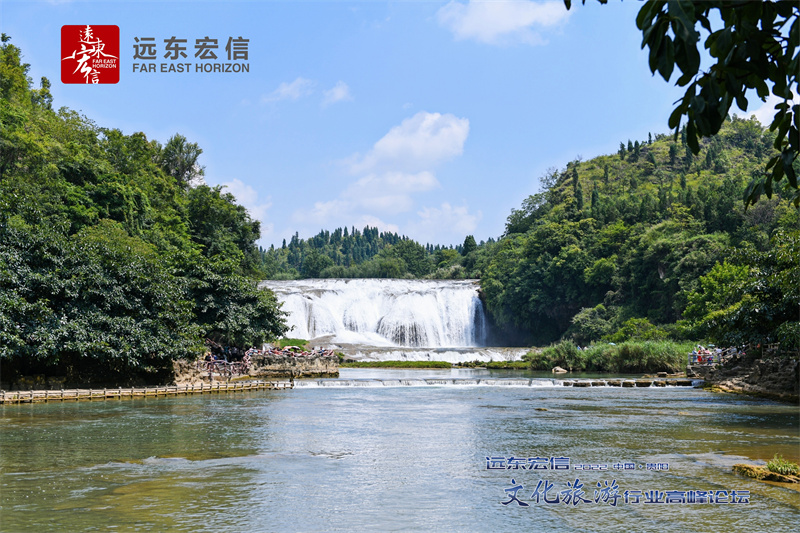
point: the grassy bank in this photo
(632, 356)
(283, 343)
(397, 364)
(495, 365)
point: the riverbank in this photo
(776, 378)
(262, 366)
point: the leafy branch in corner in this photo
(756, 47)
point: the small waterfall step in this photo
(497, 382)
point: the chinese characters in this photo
(206, 54)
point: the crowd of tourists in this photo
(296, 351)
(227, 360)
(712, 355)
(231, 360)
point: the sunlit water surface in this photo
(389, 458)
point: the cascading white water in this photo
(385, 312)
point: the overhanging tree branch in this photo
(756, 48)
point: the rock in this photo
(614, 383)
(559, 370)
(541, 409)
(186, 372)
(662, 374)
(314, 365)
(777, 378)
(643, 383)
(763, 473)
(582, 384)
(628, 383)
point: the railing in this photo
(224, 368)
(35, 396)
(712, 358)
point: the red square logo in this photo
(89, 54)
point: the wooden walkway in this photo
(63, 395)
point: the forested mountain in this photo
(114, 257)
(652, 242)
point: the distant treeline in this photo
(368, 253)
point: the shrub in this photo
(779, 465)
(632, 356)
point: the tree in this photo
(533, 208)
(413, 255)
(314, 263)
(756, 47)
(178, 158)
(222, 226)
(101, 304)
(469, 245)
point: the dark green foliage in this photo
(469, 245)
(100, 304)
(413, 255)
(631, 265)
(222, 227)
(590, 324)
(230, 308)
(109, 267)
(754, 298)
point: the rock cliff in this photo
(776, 378)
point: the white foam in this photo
(385, 312)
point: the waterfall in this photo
(385, 312)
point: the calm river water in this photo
(398, 458)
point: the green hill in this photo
(652, 242)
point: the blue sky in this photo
(431, 119)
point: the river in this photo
(398, 458)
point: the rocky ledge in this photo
(294, 366)
(775, 378)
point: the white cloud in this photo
(766, 112)
(389, 193)
(322, 213)
(338, 93)
(394, 181)
(435, 222)
(417, 143)
(392, 174)
(375, 222)
(501, 22)
(290, 91)
(248, 197)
